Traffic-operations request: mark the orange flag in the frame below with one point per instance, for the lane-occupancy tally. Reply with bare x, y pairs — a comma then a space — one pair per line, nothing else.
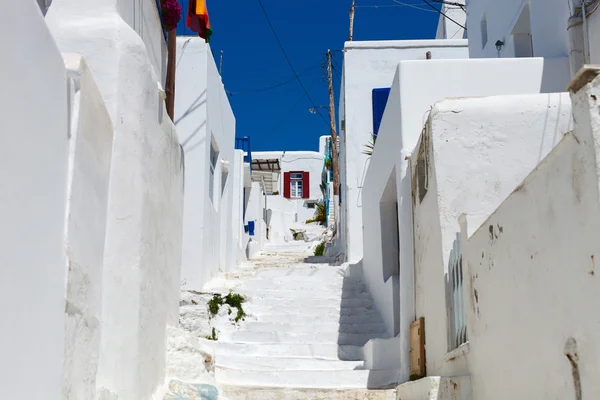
197, 19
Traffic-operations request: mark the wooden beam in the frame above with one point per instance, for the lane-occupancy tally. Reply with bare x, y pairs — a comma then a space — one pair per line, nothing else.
171, 67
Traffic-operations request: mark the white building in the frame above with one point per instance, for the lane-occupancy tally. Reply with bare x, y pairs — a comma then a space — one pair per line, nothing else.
535, 278
453, 20
370, 66
105, 168
213, 239
389, 191
553, 29
292, 182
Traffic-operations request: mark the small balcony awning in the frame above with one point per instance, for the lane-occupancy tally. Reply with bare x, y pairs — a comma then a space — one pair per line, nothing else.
266, 171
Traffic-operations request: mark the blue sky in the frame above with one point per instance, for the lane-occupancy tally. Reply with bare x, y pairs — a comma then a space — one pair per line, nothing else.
279, 119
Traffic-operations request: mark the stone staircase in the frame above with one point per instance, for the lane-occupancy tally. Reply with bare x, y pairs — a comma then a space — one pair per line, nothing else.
303, 337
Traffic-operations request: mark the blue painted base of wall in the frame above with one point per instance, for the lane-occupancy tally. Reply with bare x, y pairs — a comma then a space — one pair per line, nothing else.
190, 391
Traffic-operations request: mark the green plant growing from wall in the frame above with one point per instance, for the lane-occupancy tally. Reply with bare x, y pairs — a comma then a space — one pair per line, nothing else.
320, 249
370, 146
214, 304
233, 300
320, 215
213, 336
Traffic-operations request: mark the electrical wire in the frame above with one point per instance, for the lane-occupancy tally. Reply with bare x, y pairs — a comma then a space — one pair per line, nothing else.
290, 62
276, 85
442, 13
400, 4
450, 3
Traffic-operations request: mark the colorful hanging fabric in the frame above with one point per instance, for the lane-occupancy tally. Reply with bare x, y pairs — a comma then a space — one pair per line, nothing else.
197, 19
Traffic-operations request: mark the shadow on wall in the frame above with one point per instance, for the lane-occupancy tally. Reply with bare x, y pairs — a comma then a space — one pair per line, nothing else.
359, 323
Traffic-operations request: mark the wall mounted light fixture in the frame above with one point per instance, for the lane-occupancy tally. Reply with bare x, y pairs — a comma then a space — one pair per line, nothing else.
499, 44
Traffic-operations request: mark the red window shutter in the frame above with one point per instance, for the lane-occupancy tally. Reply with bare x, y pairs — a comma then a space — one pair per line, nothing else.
286, 185
305, 185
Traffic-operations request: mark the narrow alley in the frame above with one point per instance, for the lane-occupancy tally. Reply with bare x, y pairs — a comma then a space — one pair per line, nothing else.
301, 335
349, 199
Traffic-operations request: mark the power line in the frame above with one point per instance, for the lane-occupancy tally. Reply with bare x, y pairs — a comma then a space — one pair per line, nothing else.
450, 3
400, 4
289, 62
442, 13
276, 85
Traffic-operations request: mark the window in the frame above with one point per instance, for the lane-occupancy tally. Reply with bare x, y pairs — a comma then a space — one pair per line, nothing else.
296, 179
484, 32
296, 185
214, 155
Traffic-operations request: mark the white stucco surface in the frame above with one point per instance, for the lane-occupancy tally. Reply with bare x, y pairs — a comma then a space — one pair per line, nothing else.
539, 247
283, 212
465, 141
370, 65
204, 118
418, 85
452, 22
548, 22
90, 151
255, 211
34, 156
140, 286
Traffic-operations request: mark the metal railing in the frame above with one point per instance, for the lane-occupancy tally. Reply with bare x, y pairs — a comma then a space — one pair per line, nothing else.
457, 323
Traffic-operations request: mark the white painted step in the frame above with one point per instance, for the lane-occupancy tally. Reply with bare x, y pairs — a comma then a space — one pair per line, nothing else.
344, 316
325, 351
437, 388
253, 393
360, 379
295, 304
336, 294
355, 339
308, 272
376, 327
313, 284
274, 364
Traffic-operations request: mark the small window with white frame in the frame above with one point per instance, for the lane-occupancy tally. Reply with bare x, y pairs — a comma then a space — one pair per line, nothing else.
296, 185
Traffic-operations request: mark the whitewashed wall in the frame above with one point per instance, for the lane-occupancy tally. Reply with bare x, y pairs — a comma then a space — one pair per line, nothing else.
584, 35
370, 65
548, 19
220, 124
143, 241
533, 286
479, 150
417, 86
143, 16
256, 212
204, 118
190, 121
90, 151
34, 133
452, 22
284, 212
237, 251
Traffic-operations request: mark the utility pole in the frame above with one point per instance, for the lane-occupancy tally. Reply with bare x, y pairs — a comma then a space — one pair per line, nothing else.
351, 21
334, 149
